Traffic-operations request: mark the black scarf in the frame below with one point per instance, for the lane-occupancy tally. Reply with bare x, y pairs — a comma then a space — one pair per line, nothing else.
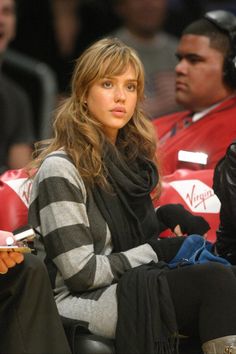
128, 209
146, 317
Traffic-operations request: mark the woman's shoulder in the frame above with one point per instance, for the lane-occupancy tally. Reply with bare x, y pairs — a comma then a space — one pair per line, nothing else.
59, 165
56, 163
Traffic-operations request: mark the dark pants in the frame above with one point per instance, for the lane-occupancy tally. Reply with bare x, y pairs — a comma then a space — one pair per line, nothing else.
29, 320
204, 298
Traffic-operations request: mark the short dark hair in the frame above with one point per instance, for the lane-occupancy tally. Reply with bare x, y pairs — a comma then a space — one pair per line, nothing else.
219, 40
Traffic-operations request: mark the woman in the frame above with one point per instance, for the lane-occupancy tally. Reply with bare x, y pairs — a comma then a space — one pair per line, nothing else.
91, 206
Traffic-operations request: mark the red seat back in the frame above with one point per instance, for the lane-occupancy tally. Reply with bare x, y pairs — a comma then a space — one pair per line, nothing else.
190, 188
193, 189
14, 199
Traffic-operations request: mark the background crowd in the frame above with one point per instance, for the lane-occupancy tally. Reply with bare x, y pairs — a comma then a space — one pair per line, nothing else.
53, 33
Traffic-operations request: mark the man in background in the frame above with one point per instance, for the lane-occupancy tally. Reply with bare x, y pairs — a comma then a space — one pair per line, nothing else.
142, 29
206, 87
16, 133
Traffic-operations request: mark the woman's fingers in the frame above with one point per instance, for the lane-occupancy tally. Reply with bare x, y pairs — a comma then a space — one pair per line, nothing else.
178, 231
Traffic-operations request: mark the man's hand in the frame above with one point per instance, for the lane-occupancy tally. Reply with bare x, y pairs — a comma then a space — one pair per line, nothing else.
9, 260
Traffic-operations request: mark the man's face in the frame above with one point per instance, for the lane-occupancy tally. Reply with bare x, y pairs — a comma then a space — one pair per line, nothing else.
143, 17
199, 73
7, 23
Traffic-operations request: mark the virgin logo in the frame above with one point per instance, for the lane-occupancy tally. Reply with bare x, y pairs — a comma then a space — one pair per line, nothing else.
197, 195
197, 199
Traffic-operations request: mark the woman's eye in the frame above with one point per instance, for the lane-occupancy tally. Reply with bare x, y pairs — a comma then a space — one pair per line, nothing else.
131, 87
107, 84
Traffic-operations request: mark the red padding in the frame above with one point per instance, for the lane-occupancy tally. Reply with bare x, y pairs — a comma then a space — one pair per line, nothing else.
193, 189
14, 199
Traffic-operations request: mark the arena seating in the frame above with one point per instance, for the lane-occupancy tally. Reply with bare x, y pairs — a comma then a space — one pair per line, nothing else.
190, 188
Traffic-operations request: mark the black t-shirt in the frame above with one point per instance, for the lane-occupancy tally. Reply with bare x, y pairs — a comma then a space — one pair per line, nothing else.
15, 118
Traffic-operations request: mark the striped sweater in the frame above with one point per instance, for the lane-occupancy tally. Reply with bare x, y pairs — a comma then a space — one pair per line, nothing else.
76, 244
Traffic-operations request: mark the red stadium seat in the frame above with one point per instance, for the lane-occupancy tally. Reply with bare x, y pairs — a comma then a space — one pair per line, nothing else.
190, 188
14, 197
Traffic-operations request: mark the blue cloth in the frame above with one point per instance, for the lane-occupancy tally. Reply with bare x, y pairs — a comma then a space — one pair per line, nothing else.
195, 250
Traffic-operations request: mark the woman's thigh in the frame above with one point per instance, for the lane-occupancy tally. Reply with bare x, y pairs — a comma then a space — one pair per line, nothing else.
98, 309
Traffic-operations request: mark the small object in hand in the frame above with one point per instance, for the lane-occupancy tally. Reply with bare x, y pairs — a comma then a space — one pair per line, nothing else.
18, 241
25, 233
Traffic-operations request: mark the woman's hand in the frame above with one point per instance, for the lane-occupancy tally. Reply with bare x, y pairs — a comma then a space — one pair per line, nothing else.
166, 248
9, 260
181, 221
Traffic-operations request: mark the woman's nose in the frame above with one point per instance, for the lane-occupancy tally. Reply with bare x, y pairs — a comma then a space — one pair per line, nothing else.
120, 94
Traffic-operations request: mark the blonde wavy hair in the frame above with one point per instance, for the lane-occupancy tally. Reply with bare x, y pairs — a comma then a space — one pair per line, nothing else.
79, 134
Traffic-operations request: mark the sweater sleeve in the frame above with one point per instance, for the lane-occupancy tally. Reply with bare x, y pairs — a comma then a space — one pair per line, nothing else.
58, 210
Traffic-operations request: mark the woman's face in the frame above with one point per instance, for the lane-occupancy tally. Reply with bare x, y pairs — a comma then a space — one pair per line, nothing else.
112, 101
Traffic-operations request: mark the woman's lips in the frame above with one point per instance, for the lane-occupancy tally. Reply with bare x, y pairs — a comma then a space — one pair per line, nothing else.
118, 111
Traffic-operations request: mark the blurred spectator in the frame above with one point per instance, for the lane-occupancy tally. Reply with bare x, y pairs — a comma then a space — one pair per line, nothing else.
142, 28
93, 26
206, 87
182, 12
49, 30
16, 134
228, 5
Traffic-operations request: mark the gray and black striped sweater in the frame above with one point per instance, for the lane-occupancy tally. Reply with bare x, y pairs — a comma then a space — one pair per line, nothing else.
76, 242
